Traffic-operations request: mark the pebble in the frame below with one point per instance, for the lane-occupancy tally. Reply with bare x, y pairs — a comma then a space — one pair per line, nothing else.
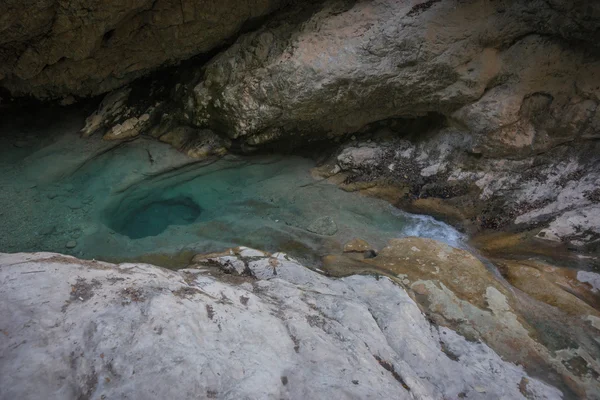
71, 244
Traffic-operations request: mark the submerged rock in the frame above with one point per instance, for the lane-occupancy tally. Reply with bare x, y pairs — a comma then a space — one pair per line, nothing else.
282, 331
324, 226
357, 246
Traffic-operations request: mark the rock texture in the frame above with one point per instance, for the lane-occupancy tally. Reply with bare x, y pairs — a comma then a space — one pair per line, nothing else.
504, 70
53, 48
268, 329
551, 326
552, 196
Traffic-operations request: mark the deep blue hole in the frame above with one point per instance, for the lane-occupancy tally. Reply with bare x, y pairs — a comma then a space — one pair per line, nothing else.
151, 219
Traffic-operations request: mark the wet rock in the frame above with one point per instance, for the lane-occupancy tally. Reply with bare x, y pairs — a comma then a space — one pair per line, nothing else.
130, 128
563, 288
196, 143
357, 246
111, 107
313, 330
428, 259
549, 195
457, 290
71, 244
324, 226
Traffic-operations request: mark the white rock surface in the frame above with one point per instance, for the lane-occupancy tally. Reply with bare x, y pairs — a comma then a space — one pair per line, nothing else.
86, 329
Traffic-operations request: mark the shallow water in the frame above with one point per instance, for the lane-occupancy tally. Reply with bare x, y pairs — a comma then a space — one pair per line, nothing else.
144, 200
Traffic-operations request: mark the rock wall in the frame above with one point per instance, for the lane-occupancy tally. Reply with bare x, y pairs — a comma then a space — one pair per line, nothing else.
54, 49
522, 76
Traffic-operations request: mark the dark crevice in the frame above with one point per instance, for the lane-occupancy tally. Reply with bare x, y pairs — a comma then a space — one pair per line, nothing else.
390, 368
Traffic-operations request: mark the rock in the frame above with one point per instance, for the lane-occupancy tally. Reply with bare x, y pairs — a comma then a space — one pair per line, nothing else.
111, 107
196, 333
196, 143
357, 246
324, 226
458, 291
71, 244
427, 259
55, 49
130, 128
551, 193
74, 204
563, 288
320, 71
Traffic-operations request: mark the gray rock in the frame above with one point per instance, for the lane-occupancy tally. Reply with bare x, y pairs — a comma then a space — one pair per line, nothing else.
325, 226
554, 192
71, 244
502, 70
81, 328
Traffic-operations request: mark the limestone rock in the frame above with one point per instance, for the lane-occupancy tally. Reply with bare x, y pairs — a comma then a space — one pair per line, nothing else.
458, 291
110, 109
53, 48
130, 128
552, 193
196, 143
135, 330
324, 226
357, 246
331, 69
563, 288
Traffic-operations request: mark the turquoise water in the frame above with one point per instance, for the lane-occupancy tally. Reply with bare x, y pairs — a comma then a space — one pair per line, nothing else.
117, 202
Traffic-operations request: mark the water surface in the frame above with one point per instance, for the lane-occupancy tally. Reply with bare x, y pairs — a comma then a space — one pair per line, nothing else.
144, 200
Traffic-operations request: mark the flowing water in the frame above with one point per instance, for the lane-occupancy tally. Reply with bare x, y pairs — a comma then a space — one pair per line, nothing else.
142, 200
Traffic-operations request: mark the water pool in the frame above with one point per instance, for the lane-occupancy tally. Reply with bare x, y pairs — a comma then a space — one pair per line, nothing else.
142, 200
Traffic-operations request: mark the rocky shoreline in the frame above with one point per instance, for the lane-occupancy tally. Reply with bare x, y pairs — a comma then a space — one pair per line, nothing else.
245, 323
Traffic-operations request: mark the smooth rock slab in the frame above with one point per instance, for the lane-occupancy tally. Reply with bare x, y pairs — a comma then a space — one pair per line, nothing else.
74, 329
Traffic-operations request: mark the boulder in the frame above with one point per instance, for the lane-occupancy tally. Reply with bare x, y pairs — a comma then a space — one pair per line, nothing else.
357, 246
79, 328
319, 71
324, 226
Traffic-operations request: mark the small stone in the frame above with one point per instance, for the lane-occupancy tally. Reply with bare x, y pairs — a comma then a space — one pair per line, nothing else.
324, 226
71, 244
356, 246
480, 389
